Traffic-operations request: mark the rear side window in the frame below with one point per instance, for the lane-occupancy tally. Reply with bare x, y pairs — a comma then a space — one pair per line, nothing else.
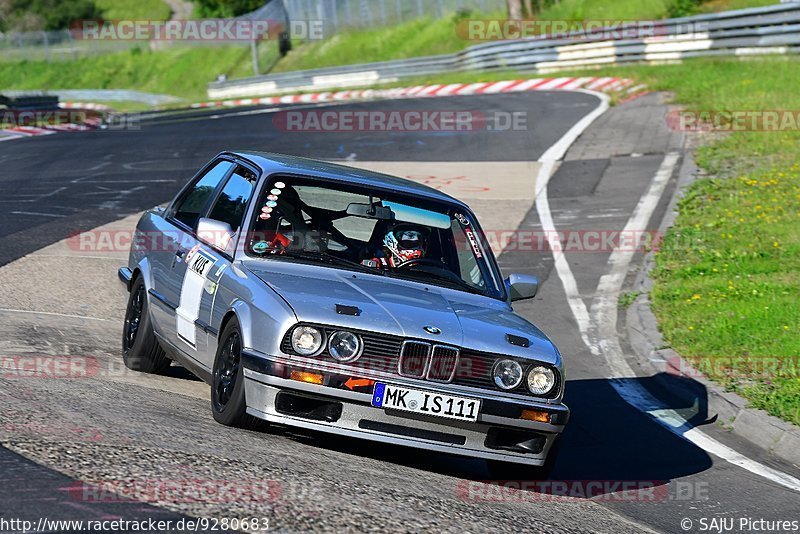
232, 201
191, 205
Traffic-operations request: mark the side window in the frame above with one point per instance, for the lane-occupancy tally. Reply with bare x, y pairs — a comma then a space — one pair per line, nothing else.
189, 208
232, 202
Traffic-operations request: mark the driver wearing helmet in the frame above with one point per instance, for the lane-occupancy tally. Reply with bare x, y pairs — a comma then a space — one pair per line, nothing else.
402, 243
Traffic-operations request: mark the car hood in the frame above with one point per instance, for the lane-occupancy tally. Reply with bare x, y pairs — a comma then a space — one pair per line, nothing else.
403, 308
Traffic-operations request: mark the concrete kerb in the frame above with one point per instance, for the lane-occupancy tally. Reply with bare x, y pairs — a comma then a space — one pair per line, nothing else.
779, 438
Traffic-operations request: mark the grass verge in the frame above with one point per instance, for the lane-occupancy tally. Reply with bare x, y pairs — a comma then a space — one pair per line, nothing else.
727, 291
181, 71
134, 9
425, 37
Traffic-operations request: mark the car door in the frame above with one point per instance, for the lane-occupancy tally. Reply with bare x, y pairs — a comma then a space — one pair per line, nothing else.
204, 265
177, 238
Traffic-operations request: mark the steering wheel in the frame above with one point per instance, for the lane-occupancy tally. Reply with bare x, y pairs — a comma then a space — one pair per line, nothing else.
413, 262
429, 266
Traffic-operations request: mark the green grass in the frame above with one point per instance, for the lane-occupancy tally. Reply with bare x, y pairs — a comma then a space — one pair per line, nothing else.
134, 9
608, 10
728, 274
180, 71
421, 37
424, 37
627, 298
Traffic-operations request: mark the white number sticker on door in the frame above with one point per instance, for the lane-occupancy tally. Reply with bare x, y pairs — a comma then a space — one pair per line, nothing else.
200, 264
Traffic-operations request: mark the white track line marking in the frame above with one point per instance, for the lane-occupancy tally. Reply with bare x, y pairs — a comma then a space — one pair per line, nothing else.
600, 334
548, 161
35, 214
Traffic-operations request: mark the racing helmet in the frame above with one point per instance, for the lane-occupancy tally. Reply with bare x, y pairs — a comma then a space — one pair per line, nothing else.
406, 242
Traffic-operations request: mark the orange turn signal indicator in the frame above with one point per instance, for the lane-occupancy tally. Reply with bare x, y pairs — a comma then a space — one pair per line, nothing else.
535, 415
303, 376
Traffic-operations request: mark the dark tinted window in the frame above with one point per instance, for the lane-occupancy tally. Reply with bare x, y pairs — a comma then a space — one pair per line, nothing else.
232, 202
189, 208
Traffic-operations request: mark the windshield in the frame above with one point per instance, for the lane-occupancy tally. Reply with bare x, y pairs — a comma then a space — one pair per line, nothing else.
297, 219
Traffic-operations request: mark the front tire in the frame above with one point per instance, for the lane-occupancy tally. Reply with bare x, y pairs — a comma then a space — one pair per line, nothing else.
140, 349
227, 381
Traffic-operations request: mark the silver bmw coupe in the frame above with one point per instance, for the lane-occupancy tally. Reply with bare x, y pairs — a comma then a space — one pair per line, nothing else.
339, 300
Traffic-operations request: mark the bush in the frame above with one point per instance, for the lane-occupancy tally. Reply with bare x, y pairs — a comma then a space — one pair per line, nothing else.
33, 15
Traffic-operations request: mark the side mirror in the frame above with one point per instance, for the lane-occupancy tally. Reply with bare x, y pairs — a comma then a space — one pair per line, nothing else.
522, 286
216, 234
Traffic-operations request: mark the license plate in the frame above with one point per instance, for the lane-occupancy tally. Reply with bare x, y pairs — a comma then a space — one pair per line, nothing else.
392, 397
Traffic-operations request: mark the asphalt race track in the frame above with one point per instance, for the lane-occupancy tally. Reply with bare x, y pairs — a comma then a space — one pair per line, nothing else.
129, 429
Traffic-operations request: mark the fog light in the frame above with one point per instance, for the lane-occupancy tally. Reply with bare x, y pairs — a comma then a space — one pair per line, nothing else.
535, 415
303, 376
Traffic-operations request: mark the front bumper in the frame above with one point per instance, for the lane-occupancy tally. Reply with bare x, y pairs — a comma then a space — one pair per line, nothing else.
499, 433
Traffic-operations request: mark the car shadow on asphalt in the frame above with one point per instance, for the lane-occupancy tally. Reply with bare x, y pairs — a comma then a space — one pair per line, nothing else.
606, 439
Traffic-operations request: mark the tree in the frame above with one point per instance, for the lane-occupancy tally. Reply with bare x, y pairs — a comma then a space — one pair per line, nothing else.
514, 9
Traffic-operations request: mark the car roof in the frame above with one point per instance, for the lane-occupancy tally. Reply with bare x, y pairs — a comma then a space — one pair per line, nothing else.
278, 163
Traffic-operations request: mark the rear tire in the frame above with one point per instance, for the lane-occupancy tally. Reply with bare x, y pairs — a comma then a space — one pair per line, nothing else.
227, 381
140, 349
499, 470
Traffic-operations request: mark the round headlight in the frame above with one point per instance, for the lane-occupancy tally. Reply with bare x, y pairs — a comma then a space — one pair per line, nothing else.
307, 340
507, 374
541, 380
344, 346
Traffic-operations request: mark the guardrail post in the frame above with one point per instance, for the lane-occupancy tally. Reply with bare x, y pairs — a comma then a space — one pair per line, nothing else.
254, 53
419, 8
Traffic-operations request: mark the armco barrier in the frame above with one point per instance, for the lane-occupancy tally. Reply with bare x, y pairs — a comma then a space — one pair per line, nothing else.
768, 30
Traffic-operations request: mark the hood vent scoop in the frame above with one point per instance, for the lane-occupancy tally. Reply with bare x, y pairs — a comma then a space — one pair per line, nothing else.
518, 340
341, 309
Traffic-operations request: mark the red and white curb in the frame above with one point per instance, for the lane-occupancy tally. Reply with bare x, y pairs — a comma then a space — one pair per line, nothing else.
91, 123
84, 105
621, 86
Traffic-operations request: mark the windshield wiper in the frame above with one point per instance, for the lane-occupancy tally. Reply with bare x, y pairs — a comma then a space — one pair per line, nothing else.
330, 259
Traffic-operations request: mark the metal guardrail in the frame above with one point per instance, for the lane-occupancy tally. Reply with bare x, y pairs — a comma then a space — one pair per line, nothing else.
768, 30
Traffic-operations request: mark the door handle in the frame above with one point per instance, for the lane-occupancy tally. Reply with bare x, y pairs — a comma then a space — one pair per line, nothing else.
178, 257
